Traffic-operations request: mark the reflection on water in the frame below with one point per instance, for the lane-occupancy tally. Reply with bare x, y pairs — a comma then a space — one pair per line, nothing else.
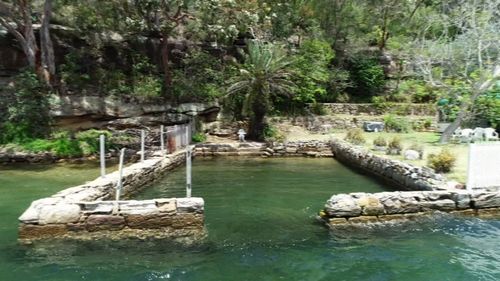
260, 218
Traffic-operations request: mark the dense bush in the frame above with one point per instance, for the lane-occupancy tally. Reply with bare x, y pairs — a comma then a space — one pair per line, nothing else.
355, 136
442, 162
380, 141
24, 110
367, 76
396, 124
272, 134
199, 137
394, 146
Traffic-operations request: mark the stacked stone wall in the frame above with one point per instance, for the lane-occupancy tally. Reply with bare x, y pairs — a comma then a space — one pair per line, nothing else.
402, 175
354, 208
288, 149
82, 212
373, 109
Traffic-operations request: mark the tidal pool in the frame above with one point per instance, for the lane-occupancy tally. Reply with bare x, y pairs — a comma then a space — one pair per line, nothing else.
260, 221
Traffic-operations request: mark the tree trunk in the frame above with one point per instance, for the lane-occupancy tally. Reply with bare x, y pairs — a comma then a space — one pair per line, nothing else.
48, 61
257, 126
167, 75
483, 87
448, 132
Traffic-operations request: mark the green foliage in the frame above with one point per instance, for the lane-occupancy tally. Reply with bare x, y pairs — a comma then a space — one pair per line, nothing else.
201, 77
311, 70
355, 136
199, 137
442, 162
318, 109
91, 138
272, 134
265, 75
64, 144
418, 91
396, 124
380, 141
24, 110
367, 75
488, 107
60, 144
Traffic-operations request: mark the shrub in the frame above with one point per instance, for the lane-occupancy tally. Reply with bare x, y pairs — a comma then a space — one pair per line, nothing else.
24, 110
65, 146
272, 134
442, 162
355, 136
380, 141
396, 124
199, 137
318, 109
89, 140
394, 146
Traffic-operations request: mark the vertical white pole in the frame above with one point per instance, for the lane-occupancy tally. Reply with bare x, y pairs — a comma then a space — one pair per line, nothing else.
162, 140
102, 156
469, 162
120, 181
187, 135
143, 137
188, 171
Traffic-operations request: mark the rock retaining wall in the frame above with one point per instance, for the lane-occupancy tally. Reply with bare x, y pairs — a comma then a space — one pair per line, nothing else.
354, 208
324, 124
372, 109
289, 149
402, 175
81, 212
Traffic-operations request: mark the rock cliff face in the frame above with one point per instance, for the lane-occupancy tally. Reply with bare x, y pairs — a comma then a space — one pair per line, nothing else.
83, 112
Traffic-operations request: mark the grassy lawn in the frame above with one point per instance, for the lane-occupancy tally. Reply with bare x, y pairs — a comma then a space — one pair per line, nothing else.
430, 143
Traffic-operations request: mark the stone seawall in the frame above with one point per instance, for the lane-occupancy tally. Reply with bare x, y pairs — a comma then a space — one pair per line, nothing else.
402, 175
81, 211
355, 208
289, 149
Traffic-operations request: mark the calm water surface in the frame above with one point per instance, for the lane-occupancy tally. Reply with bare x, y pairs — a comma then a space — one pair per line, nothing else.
260, 219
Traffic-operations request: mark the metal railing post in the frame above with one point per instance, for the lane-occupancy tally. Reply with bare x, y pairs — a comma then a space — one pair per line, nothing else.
143, 139
188, 171
102, 156
162, 140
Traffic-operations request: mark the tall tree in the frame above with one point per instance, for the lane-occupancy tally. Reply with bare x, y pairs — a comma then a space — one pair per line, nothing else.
164, 17
465, 50
17, 18
266, 73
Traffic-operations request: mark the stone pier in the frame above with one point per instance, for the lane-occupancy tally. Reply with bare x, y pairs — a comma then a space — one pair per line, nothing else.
82, 212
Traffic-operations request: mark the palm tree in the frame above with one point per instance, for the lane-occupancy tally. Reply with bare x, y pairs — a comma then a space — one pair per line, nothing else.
265, 74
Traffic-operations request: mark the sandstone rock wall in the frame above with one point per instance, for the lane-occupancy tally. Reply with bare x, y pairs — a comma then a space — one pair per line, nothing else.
81, 212
356, 208
93, 111
402, 175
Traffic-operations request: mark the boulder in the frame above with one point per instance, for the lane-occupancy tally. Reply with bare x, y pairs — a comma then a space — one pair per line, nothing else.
411, 155
342, 205
192, 204
60, 213
485, 200
370, 205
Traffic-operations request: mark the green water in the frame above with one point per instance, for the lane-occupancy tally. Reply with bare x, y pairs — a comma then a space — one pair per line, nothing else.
260, 219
